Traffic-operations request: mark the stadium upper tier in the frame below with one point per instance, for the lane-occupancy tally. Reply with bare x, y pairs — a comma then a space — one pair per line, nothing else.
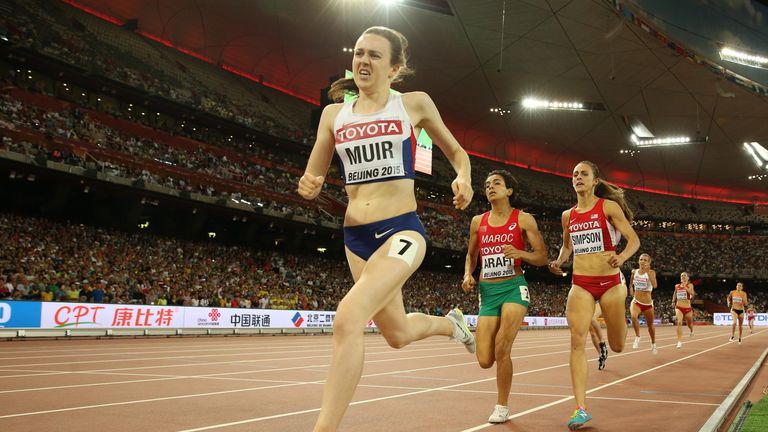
98, 48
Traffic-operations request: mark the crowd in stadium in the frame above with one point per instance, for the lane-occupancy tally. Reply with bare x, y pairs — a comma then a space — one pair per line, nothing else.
52, 261
445, 228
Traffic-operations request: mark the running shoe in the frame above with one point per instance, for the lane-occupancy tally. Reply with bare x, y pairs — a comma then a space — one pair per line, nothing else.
603, 356
461, 332
500, 414
731, 339
654, 349
679, 344
578, 419
691, 334
739, 341
603, 350
636, 343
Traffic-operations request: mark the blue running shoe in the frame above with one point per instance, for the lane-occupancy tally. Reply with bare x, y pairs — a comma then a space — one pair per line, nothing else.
578, 419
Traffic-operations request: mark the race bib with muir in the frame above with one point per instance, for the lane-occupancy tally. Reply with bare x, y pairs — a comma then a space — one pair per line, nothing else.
371, 151
589, 241
496, 266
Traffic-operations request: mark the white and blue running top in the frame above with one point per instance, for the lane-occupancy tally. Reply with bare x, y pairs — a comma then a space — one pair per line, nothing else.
375, 147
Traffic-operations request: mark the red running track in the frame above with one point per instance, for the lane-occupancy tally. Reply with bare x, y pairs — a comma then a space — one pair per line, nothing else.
274, 383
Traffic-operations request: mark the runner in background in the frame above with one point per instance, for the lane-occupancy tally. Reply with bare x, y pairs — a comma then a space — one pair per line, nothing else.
681, 300
736, 301
751, 318
642, 282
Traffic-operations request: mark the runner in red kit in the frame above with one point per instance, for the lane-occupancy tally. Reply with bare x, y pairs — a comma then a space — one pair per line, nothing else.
751, 318
498, 236
591, 230
681, 299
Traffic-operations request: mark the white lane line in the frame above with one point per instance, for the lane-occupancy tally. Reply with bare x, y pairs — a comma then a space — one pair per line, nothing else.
517, 384
136, 382
196, 344
683, 393
423, 378
248, 350
269, 368
448, 347
493, 392
256, 349
654, 401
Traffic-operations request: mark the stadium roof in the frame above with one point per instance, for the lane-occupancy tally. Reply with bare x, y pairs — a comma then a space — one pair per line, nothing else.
652, 61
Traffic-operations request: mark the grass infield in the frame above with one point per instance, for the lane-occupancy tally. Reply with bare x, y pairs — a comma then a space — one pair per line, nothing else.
757, 421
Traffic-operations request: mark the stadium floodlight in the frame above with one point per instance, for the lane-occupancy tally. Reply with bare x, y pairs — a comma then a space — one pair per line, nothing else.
744, 58
758, 153
535, 103
501, 111
665, 141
